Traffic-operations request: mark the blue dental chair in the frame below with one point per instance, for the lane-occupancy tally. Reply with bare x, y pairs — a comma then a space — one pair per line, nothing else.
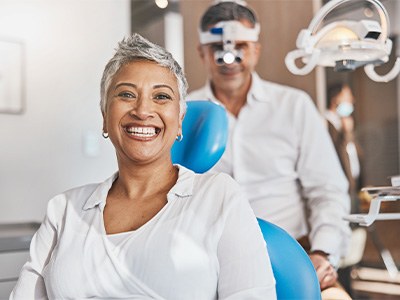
205, 130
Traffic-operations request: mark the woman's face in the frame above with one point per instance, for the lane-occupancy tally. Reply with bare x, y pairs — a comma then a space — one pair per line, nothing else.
142, 112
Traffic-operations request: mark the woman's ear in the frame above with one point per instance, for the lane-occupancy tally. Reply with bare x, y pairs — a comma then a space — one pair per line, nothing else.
104, 123
181, 117
180, 131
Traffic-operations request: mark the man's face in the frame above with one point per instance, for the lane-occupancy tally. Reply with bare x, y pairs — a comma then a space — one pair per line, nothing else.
235, 75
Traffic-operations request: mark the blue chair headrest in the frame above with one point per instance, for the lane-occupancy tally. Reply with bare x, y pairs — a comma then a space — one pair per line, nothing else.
205, 134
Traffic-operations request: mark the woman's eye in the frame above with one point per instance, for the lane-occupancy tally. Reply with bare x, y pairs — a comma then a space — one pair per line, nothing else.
126, 95
163, 97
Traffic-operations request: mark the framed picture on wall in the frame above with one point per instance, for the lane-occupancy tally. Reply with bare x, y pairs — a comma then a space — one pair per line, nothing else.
11, 76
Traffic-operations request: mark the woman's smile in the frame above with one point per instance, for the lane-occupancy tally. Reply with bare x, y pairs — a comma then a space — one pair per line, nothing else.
142, 132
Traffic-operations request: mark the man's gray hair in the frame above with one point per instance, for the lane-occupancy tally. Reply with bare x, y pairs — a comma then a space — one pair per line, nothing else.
226, 11
137, 48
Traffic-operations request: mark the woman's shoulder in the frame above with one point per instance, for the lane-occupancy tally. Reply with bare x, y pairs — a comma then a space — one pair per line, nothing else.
75, 193
77, 196
83, 190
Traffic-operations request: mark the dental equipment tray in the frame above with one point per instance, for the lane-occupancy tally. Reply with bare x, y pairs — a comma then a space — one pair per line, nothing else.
379, 195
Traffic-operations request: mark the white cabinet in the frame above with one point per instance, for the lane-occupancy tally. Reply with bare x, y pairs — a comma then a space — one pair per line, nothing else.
5, 289
14, 252
11, 263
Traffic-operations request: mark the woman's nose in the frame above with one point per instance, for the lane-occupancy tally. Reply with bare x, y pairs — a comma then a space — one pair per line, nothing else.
143, 109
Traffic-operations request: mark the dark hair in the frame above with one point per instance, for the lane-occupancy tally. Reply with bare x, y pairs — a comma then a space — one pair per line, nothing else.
226, 11
334, 90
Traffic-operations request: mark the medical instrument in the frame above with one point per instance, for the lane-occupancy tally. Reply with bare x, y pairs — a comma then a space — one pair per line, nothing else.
228, 33
344, 45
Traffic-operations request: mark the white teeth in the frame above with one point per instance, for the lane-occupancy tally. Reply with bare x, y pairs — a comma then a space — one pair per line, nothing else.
141, 131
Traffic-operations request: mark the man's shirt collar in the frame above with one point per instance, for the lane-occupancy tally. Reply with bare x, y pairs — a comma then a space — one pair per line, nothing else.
256, 92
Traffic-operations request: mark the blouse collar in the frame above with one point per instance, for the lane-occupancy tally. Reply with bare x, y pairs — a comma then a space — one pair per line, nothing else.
182, 188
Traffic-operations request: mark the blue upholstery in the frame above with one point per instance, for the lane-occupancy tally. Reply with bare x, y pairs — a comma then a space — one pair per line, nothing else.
294, 273
205, 130
205, 133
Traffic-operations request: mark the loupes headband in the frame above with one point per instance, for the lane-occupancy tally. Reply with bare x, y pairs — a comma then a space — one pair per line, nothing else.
229, 31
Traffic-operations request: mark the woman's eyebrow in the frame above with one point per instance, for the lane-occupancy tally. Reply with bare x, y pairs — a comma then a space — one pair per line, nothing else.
125, 83
157, 86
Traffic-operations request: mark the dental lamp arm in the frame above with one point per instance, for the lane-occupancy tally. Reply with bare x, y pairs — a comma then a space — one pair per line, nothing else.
370, 71
299, 53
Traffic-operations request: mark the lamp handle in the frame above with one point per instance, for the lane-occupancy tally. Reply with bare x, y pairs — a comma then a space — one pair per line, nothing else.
299, 53
370, 71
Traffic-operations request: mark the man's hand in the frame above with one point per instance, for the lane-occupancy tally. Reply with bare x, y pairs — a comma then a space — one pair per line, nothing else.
326, 273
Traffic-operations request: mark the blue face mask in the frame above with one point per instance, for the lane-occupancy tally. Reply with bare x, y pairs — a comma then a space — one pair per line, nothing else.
345, 109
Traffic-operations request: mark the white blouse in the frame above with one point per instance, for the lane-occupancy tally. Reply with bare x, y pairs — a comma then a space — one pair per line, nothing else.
205, 243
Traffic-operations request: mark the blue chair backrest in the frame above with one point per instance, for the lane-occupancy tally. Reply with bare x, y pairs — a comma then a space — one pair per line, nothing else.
205, 134
205, 131
294, 273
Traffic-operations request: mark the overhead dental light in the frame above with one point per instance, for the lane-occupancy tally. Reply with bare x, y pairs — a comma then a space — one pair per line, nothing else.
344, 45
161, 3
227, 33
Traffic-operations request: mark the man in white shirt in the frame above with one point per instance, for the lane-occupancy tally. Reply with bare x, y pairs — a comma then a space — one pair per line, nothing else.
279, 149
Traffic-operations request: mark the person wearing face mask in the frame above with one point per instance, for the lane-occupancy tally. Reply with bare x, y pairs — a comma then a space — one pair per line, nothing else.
340, 121
278, 148
340, 107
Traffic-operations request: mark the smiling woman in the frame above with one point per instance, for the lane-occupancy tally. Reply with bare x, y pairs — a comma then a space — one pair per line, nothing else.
142, 115
153, 230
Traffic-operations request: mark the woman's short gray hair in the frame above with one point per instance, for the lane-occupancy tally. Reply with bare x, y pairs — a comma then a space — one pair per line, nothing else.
135, 48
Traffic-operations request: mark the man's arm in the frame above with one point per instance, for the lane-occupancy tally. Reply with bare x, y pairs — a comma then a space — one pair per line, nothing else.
325, 189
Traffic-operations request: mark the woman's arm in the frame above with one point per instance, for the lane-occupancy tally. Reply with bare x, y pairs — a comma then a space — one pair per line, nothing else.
30, 283
245, 268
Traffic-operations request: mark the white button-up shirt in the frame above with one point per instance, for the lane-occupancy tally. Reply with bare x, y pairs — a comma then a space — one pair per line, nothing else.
205, 243
280, 152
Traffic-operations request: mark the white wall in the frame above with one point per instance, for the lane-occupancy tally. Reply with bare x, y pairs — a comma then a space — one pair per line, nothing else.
68, 43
